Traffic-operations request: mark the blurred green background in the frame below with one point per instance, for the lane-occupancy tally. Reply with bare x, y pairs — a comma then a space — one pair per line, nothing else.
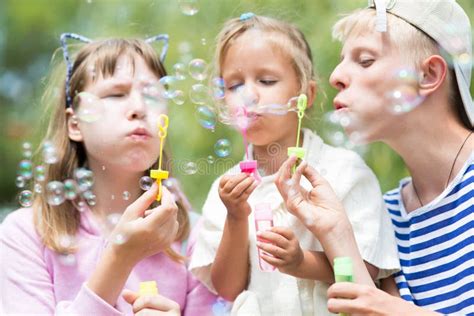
29, 36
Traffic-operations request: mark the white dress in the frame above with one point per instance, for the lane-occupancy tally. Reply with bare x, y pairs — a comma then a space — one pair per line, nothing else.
275, 293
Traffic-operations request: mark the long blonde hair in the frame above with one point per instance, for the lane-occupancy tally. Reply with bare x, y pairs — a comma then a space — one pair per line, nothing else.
55, 222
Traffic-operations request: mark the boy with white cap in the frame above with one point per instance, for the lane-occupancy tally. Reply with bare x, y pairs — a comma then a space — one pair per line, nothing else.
430, 127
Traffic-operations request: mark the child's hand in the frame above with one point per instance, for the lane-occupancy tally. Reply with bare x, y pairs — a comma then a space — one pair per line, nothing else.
146, 236
319, 209
151, 304
234, 191
284, 249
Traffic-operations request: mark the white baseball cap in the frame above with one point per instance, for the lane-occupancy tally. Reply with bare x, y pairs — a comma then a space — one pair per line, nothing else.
445, 22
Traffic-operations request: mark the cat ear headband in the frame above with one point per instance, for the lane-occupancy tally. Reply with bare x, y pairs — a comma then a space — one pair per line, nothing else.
69, 64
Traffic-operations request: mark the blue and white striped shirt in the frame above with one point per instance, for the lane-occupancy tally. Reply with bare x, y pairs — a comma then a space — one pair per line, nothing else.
436, 246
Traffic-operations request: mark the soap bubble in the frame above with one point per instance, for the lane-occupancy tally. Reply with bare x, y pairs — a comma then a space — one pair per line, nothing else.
20, 182
26, 146
179, 97
25, 169
90, 197
38, 188
189, 7
210, 159
190, 168
206, 117
40, 173
332, 130
55, 193
179, 71
218, 88
199, 94
197, 69
221, 307
113, 219
71, 189
89, 107
126, 195
167, 86
25, 198
67, 259
50, 155
84, 179
404, 95
222, 148
145, 183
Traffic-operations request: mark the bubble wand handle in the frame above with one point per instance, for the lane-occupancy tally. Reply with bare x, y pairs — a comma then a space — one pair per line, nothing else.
159, 174
298, 151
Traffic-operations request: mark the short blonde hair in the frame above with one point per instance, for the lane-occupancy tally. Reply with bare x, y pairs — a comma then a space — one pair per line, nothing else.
288, 39
413, 44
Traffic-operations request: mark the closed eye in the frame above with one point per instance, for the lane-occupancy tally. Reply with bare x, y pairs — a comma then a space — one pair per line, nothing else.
268, 82
366, 62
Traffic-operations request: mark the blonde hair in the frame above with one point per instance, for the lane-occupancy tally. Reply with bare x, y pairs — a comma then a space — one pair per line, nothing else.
413, 44
54, 222
289, 39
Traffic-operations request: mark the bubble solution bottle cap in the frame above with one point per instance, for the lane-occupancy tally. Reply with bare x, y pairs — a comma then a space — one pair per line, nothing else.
148, 288
250, 167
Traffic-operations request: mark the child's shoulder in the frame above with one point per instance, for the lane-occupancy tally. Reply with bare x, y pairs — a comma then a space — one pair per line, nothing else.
19, 226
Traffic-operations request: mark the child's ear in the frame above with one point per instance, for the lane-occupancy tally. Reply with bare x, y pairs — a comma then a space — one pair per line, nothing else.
73, 130
433, 74
311, 92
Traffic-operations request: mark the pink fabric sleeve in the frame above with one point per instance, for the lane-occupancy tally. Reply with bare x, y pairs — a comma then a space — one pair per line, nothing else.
26, 284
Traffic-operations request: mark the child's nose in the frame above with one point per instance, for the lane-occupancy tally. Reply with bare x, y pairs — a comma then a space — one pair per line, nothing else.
250, 95
337, 79
137, 107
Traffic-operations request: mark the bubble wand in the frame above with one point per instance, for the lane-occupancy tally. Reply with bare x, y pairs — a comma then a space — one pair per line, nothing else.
247, 166
158, 174
299, 151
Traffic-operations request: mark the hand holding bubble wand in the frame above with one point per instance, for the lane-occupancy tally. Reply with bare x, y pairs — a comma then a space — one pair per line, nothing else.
159, 174
299, 151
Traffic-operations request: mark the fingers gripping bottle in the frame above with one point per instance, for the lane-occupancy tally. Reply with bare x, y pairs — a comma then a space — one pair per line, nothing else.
263, 221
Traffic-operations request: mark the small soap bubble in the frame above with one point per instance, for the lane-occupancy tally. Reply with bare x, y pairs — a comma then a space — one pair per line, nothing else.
197, 69
126, 195
81, 206
50, 155
40, 173
71, 189
332, 130
199, 94
206, 117
166, 88
190, 168
25, 198
67, 259
404, 95
179, 97
90, 197
189, 7
84, 179
66, 241
89, 107
221, 307
119, 238
179, 71
145, 183
113, 219
169, 183
203, 41
55, 193
25, 169
211, 159
20, 182
222, 148
218, 88
27, 154
26, 146
38, 188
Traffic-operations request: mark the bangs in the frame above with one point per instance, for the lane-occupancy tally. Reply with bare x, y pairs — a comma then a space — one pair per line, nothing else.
354, 24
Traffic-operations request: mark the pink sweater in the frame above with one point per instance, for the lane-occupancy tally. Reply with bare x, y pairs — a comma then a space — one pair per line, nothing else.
35, 280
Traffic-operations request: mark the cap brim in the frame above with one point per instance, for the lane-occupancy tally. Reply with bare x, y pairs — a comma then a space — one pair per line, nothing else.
465, 93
